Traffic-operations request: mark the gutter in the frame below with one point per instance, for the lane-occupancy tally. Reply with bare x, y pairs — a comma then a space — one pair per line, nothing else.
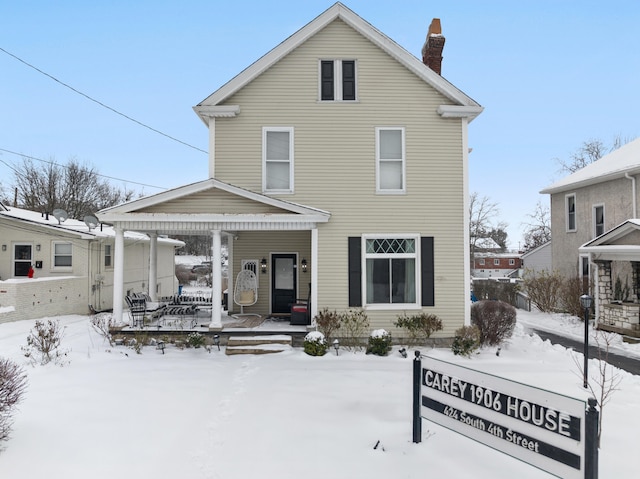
633, 192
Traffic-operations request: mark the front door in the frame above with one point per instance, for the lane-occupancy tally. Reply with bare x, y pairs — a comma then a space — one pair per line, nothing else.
283, 280
21, 259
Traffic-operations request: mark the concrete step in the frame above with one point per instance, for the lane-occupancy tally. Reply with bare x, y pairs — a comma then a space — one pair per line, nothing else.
267, 344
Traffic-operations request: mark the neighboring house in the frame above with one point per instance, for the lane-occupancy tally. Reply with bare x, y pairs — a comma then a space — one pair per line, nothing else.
71, 263
496, 265
337, 162
538, 259
595, 234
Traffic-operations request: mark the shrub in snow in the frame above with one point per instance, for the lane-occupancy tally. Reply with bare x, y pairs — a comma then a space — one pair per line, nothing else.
379, 342
328, 322
354, 325
466, 341
315, 344
13, 382
43, 343
418, 327
494, 319
195, 340
101, 323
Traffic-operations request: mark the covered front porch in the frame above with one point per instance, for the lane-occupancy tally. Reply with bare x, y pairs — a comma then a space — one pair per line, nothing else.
616, 258
276, 240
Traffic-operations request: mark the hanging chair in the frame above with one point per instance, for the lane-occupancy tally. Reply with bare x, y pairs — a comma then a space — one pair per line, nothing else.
245, 291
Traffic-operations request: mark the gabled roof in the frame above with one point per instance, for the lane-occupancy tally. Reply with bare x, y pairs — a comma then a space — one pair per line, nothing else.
463, 105
625, 159
602, 247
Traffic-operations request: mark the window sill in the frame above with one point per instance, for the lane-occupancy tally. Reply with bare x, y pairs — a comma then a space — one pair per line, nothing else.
392, 306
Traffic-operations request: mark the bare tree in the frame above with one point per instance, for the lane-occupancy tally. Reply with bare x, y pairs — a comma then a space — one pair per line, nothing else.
74, 187
538, 228
590, 151
13, 383
482, 212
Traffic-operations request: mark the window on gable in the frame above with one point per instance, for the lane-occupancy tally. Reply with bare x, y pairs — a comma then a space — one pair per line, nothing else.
570, 202
512, 262
390, 160
107, 255
62, 255
598, 220
277, 153
338, 80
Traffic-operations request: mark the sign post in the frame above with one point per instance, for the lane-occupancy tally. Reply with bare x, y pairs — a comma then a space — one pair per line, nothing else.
550, 431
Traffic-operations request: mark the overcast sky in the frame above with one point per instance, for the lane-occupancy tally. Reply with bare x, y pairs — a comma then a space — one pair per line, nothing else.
550, 74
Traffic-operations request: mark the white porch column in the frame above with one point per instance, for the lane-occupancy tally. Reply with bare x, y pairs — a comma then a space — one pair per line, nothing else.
216, 280
153, 266
314, 273
118, 275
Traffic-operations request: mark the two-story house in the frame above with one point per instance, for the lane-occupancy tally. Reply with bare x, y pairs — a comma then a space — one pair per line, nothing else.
596, 233
496, 265
338, 170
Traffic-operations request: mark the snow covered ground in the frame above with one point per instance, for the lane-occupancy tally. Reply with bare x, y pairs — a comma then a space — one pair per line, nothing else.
112, 413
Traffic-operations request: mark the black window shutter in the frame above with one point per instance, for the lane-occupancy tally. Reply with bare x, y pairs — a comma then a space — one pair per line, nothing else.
426, 254
326, 80
349, 80
355, 271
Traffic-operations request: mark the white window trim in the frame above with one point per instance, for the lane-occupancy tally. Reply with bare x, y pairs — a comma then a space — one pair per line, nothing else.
402, 190
593, 218
104, 256
53, 256
418, 269
512, 262
496, 261
266, 129
337, 79
566, 213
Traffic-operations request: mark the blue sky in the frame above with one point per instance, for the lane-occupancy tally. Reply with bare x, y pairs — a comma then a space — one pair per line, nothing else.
550, 75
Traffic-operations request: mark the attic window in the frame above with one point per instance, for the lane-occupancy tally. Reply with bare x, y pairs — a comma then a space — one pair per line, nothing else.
337, 80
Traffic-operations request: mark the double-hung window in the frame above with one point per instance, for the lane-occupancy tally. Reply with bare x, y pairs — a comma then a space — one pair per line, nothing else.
390, 160
337, 80
391, 272
277, 159
62, 255
570, 211
107, 256
598, 220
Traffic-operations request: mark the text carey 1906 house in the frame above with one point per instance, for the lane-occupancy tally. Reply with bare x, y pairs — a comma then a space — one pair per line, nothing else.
337, 162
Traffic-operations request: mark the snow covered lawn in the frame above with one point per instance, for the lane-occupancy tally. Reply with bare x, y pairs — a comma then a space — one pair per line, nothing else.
191, 414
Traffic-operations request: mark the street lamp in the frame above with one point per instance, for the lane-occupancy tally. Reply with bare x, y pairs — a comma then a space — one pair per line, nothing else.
586, 301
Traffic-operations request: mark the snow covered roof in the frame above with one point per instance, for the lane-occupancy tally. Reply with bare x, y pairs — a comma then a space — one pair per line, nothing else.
625, 159
80, 228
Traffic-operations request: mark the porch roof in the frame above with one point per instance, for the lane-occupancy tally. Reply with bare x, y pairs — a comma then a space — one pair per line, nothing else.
199, 208
610, 246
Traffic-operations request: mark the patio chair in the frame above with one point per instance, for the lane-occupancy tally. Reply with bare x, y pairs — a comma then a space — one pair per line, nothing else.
301, 310
136, 310
245, 292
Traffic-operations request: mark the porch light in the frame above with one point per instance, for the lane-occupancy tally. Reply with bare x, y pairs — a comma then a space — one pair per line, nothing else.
263, 265
586, 301
216, 340
336, 345
304, 265
37, 247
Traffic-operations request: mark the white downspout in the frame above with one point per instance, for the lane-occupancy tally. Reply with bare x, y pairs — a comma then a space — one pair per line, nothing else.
633, 192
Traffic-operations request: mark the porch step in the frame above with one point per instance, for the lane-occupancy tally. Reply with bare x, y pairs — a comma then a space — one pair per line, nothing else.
275, 343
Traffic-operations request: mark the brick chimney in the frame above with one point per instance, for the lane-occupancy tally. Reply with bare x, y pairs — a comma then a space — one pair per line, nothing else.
433, 45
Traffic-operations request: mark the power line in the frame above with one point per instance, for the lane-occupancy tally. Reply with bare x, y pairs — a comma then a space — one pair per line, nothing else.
64, 166
100, 103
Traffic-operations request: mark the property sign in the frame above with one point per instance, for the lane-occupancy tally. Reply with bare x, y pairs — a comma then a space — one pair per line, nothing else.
542, 428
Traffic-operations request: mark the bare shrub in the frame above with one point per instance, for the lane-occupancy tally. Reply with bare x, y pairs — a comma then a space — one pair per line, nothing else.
492, 289
544, 289
43, 343
495, 320
354, 327
419, 327
328, 322
570, 292
13, 383
101, 323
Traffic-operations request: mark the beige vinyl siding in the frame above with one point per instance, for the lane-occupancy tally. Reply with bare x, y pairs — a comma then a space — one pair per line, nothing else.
334, 160
213, 201
260, 244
